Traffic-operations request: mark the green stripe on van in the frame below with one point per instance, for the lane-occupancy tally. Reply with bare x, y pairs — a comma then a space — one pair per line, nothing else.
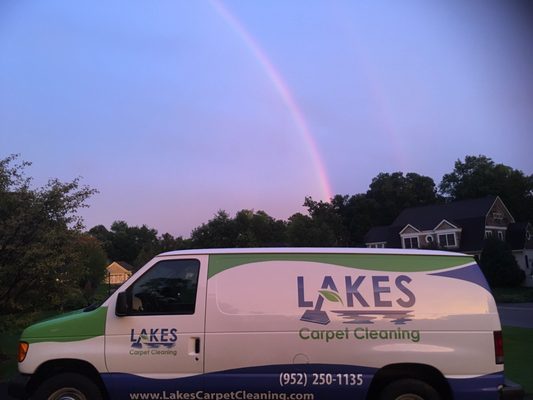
375, 262
69, 327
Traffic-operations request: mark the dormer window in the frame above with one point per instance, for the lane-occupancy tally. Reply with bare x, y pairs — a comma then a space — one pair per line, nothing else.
501, 235
488, 234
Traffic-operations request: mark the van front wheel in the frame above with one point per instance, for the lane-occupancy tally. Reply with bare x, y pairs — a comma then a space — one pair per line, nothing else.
409, 389
68, 386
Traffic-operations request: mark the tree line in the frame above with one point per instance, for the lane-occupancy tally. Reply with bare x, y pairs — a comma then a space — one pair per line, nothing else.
342, 221
47, 256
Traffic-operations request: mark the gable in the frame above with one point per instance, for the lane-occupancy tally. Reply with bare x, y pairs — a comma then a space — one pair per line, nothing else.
498, 214
409, 229
116, 268
445, 225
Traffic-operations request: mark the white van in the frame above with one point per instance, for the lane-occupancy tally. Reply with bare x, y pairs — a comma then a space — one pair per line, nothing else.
277, 324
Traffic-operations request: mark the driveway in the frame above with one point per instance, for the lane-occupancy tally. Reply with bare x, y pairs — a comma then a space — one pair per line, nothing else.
519, 315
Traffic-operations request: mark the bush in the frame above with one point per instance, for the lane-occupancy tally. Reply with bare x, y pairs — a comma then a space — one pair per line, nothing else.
499, 265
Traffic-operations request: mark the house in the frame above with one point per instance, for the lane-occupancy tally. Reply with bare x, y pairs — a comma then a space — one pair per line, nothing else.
118, 272
459, 226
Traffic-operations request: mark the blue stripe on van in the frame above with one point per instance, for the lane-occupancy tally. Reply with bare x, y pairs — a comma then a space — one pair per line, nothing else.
481, 388
470, 273
266, 380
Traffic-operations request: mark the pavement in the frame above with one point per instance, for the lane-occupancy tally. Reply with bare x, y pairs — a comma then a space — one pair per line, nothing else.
518, 315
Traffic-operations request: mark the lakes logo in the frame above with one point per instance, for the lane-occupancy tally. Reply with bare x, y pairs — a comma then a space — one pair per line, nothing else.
154, 338
385, 296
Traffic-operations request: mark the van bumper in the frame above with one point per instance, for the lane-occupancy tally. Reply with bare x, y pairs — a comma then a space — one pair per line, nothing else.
17, 386
511, 391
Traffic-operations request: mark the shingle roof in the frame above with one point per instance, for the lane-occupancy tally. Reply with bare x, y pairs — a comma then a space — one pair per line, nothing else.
467, 214
377, 234
125, 265
428, 217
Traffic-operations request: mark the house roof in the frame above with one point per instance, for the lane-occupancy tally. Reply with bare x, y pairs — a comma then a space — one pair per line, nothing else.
428, 217
124, 265
469, 215
388, 234
377, 234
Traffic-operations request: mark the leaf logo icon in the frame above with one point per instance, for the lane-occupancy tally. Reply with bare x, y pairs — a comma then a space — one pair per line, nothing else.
331, 296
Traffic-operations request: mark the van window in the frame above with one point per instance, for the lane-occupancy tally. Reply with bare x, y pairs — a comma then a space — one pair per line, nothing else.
169, 287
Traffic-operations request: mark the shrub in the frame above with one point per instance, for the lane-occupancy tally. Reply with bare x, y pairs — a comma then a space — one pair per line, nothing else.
499, 265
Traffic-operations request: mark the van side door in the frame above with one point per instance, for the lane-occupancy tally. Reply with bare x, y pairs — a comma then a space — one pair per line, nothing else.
158, 344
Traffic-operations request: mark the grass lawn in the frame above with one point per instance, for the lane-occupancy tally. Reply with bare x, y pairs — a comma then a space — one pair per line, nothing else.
518, 348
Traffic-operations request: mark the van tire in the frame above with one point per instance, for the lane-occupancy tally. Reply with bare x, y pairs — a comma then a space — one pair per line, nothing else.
409, 389
68, 385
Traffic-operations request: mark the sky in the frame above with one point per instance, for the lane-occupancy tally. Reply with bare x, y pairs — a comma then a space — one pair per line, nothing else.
174, 110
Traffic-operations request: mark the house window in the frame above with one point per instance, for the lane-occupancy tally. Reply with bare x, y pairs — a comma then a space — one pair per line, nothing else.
488, 234
447, 240
501, 235
410, 243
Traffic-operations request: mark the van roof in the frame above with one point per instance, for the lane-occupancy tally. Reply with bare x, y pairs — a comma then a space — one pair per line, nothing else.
312, 250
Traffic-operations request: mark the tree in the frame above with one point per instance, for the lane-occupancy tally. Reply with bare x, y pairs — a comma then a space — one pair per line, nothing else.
481, 176
395, 192
247, 229
326, 224
91, 264
39, 231
132, 244
358, 214
217, 232
258, 229
499, 265
302, 230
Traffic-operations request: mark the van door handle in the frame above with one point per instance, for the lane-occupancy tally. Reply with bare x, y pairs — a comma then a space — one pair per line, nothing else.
197, 345
193, 346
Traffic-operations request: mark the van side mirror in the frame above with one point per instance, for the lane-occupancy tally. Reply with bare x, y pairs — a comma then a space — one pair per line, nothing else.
121, 308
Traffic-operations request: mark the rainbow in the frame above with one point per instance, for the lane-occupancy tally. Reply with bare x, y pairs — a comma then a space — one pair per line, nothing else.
285, 93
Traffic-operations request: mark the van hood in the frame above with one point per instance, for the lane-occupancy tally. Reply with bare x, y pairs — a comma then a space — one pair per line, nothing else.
74, 326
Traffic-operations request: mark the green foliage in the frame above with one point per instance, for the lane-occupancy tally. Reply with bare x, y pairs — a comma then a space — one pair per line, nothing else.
133, 244
305, 231
499, 265
395, 192
331, 296
91, 265
518, 356
480, 176
247, 229
39, 233
345, 220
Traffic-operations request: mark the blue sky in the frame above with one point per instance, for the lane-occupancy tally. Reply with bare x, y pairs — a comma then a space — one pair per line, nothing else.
176, 109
